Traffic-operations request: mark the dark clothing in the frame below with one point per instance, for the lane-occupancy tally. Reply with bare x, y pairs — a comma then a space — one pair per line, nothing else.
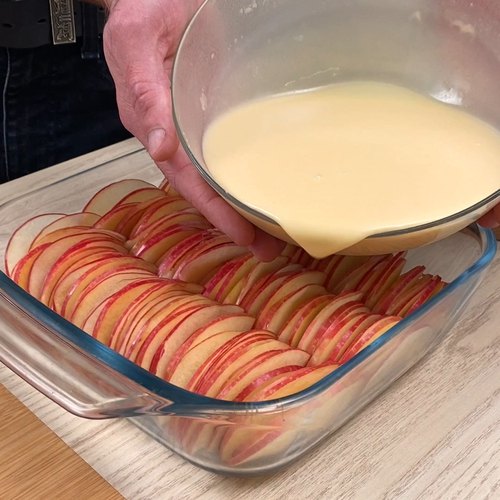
54, 106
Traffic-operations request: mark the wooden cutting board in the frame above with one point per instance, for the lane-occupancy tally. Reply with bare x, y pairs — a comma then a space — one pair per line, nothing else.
36, 464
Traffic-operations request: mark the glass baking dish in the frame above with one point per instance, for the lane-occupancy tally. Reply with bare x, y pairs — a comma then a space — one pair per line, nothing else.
90, 380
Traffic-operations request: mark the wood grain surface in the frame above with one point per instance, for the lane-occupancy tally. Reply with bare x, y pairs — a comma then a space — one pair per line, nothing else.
434, 434
35, 463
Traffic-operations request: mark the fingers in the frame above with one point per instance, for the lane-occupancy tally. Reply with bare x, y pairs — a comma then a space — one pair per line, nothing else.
492, 218
187, 181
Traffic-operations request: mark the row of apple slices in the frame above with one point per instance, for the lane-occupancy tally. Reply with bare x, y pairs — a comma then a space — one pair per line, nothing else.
79, 266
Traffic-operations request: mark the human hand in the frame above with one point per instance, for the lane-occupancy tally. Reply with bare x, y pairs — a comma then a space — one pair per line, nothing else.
140, 41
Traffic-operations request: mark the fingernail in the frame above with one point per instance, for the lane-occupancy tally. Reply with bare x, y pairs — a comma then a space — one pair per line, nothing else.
155, 139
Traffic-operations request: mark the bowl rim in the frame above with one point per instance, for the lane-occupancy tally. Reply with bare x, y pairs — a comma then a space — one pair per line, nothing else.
187, 403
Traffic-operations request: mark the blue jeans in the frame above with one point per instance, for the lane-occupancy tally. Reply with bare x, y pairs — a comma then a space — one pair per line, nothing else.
54, 106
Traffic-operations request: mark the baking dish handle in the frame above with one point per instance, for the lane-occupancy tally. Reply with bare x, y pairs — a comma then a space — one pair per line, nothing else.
66, 373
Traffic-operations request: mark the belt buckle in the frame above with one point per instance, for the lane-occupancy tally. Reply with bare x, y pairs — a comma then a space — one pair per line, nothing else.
62, 20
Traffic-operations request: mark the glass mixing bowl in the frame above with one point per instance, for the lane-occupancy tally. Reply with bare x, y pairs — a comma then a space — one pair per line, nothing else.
234, 51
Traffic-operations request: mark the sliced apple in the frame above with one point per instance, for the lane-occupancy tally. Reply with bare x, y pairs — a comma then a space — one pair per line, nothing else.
163, 316
341, 268
76, 255
286, 384
189, 217
193, 358
291, 332
371, 334
168, 262
93, 297
238, 350
164, 207
326, 317
184, 361
201, 266
20, 242
339, 335
76, 220
405, 281
288, 288
59, 250
101, 322
277, 315
261, 270
240, 355
101, 272
158, 296
173, 337
74, 272
105, 199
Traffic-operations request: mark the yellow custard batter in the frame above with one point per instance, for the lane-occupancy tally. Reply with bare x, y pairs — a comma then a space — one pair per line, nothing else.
335, 165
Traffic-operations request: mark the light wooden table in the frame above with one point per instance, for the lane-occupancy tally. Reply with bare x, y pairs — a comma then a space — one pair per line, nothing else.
435, 434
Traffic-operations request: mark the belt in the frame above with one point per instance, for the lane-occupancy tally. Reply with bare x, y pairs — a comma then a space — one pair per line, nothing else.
26, 24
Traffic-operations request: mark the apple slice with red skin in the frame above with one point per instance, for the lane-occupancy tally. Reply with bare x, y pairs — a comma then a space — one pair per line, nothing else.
154, 247
99, 271
326, 264
192, 358
147, 315
105, 199
173, 338
385, 282
79, 271
326, 316
93, 296
434, 286
200, 267
137, 210
286, 384
379, 271
111, 220
354, 278
168, 262
101, 322
81, 231
343, 314
339, 335
264, 379
94, 276
371, 334
223, 274
59, 250
184, 361
22, 271
74, 256
76, 220
236, 350
240, 343
263, 289
287, 288
20, 242
164, 207
235, 357
408, 294
142, 195
405, 281
162, 316
342, 267
260, 271
74, 272
188, 217
291, 332
274, 317
161, 294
